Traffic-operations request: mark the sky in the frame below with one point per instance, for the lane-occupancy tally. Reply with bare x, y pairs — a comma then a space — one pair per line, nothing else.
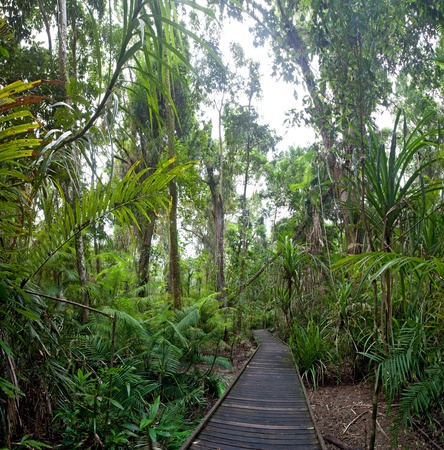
278, 96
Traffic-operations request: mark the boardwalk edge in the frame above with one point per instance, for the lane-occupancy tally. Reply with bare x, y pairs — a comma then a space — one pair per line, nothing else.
211, 412
310, 410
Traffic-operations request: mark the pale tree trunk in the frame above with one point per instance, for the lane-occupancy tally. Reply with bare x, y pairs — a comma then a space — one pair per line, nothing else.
219, 223
244, 231
219, 217
62, 29
72, 191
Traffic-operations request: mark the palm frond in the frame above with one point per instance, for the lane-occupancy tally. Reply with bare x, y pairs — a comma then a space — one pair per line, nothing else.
218, 361
117, 198
417, 398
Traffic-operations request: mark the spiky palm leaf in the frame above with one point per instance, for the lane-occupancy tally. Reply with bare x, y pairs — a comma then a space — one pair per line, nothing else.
394, 177
372, 265
18, 141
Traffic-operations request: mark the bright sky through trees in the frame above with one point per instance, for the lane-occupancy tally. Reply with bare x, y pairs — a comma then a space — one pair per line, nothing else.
277, 96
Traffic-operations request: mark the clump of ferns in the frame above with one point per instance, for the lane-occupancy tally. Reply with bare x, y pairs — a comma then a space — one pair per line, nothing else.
411, 372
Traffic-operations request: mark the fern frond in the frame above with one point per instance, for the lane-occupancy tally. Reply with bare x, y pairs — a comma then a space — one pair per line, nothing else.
188, 317
417, 398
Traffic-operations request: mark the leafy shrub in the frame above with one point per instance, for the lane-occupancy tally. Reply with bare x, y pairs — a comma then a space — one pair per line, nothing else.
311, 350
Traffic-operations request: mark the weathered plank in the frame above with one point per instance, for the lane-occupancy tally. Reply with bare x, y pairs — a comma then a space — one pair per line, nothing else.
266, 408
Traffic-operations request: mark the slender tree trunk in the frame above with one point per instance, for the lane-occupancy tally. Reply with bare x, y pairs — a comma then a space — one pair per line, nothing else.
62, 28
96, 242
145, 246
174, 257
150, 158
83, 274
72, 191
244, 229
219, 218
47, 25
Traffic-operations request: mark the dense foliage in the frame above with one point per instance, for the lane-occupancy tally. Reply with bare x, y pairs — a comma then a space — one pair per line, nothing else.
139, 242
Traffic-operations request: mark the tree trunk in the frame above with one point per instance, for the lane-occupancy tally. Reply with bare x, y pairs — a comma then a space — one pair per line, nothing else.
62, 29
72, 191
244, 228
145, 244
219, 223
175, 288
219, 218
47, 25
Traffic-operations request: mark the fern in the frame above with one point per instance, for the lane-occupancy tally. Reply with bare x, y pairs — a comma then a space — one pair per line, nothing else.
418, 398
401, 363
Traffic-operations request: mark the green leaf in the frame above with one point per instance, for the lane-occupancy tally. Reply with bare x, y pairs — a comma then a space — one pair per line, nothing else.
5, 348
16, 88
153, 434
144, 423
116, 404
18, 129
28, 313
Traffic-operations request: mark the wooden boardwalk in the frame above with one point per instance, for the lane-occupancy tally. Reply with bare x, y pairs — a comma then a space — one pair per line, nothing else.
265, 408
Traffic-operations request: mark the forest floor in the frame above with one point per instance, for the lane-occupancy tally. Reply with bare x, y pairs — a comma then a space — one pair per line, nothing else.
342, 412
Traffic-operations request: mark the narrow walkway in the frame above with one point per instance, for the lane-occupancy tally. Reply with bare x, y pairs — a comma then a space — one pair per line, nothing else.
265, 409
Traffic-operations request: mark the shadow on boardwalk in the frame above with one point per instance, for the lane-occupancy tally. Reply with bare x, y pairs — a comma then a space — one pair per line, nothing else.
265, 408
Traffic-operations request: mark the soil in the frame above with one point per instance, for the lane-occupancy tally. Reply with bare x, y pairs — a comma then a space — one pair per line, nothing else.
342, 412
238, 357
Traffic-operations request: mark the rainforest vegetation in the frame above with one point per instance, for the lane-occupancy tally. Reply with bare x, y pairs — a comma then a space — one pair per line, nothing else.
140, 242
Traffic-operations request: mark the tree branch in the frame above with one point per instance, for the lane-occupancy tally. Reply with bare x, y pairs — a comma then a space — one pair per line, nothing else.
69, 302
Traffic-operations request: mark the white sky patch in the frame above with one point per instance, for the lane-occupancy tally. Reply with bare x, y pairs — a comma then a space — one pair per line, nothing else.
277, 96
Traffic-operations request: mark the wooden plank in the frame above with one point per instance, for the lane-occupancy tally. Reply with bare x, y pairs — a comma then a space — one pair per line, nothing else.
303, 426
226, 445
243, 430
266, 408
259, 437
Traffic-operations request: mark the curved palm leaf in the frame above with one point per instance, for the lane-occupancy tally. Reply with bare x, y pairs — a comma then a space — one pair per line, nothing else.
117, 198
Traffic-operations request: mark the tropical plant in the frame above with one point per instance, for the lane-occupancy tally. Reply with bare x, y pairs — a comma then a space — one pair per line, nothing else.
21, 169
300, 271
391, 184
394, 189
410, 370
312, 349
